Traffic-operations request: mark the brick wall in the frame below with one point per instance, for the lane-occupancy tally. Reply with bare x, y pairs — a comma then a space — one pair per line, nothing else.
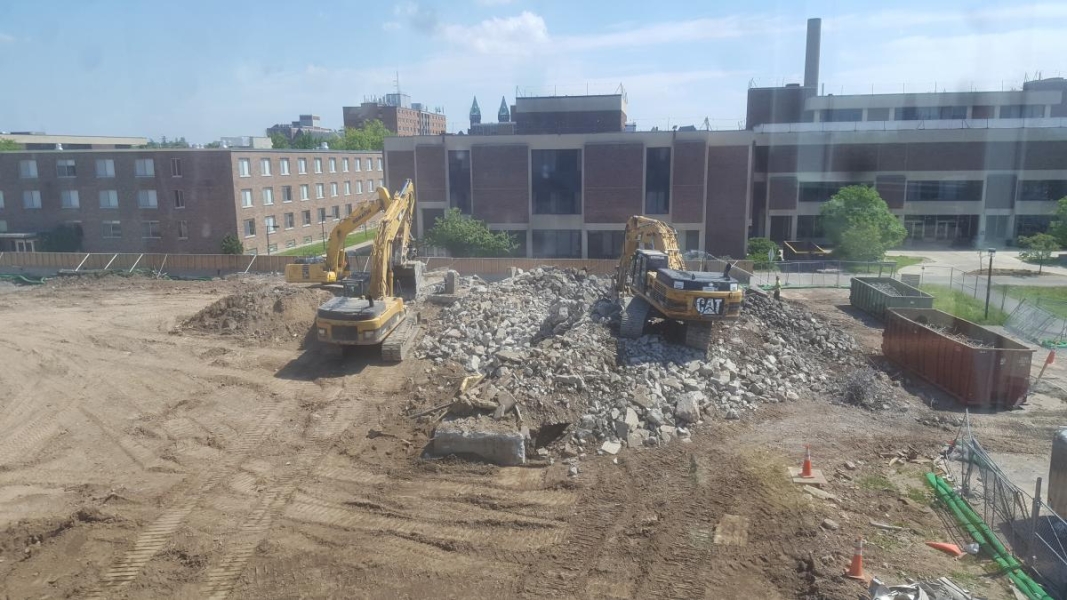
430, 168
687, 187
727, 200
613, 177
500, 188
400, 166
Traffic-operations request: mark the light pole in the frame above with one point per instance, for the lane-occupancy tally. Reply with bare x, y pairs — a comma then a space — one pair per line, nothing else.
989, 280
268, 226
322, 224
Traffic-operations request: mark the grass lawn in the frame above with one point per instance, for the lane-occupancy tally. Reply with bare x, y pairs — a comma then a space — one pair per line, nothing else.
964, 306
1052, 299
316, 249
906, 261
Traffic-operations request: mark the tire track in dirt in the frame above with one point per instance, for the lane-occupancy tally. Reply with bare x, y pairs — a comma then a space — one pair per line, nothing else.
152, 539
140, 455
28, 438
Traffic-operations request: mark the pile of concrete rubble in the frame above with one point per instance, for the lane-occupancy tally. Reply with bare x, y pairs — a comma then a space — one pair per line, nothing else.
546, 339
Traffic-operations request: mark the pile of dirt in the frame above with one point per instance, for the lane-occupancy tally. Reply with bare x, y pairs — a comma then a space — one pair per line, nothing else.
263, 313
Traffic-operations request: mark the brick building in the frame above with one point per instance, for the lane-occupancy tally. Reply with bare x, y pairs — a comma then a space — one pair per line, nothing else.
28, 140
184, 200
398, 114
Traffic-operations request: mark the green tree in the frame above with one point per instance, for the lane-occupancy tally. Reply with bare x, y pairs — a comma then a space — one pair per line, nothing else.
62, 238
165, 143
279, 141
213, 145
371, 136
759, 249
858, 223
463, 236
7, 145
232, 245
305, 141
1039, 248
1058, 227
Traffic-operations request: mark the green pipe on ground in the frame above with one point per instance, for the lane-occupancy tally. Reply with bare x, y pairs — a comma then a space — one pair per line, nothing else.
987, 540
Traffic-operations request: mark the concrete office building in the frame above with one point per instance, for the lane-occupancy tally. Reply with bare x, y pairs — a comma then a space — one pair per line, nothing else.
182, 200
962, 168
399, 115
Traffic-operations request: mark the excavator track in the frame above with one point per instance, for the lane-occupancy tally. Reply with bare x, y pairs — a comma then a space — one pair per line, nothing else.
698, 335
398, 345
633, 317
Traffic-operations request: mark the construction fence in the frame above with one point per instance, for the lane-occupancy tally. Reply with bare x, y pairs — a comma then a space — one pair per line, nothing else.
1039, 321
821, 273
1030, 529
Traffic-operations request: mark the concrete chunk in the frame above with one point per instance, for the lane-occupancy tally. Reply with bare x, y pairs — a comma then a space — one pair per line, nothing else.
499, 447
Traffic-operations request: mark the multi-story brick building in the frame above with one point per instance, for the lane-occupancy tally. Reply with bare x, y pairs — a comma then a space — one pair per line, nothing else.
398, 114
184, 200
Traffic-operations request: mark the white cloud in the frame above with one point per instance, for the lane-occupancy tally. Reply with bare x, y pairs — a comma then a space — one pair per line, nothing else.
422, 18
670, 32
6, 38
521, 35
980, 17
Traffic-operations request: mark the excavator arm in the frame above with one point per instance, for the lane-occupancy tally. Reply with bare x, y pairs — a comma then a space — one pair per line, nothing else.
646, 233
391, 244
335, 266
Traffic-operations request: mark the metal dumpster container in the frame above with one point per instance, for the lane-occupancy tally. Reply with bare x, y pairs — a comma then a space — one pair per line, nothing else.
975, 365
875, 295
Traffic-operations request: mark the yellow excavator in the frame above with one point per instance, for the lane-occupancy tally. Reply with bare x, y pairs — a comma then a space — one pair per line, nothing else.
371, 310
334, 267
654, 278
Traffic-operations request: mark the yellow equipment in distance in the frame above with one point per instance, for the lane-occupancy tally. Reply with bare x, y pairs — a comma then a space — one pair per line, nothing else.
651, 270
335, 266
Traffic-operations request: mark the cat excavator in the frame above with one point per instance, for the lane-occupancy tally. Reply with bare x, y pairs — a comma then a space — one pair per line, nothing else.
371, 311
334, 267
652, 282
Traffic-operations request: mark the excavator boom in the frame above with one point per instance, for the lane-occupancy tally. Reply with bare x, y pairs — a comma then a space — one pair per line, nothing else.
335, 265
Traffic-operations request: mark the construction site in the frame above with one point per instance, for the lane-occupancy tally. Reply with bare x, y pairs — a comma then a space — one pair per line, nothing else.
555, 432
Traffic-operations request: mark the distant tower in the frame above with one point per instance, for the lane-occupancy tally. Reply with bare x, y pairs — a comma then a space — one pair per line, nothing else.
476, 113
503, 115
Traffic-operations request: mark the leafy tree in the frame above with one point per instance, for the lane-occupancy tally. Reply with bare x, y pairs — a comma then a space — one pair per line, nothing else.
278, 141
369, 137
1039, 248
463, 236
213, 145
858, 223
9, 145
1058, 227
759, 248
165, 143
305, 141
63, 238
232, 245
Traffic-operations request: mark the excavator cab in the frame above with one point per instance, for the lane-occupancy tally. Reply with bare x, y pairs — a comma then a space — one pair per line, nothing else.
644, 262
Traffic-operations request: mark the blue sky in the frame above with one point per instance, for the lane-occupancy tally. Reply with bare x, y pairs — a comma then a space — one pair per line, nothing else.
205, 69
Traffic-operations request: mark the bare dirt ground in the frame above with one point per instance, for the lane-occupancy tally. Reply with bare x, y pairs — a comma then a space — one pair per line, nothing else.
145, 454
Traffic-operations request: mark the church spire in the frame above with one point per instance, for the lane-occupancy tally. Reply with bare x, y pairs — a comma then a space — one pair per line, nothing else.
503, 115
476, 113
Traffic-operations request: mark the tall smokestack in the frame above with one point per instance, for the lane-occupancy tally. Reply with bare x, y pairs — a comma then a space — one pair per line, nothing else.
811, 55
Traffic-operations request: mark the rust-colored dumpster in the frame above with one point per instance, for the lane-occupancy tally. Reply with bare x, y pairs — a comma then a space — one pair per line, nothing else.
875, 295
975, 365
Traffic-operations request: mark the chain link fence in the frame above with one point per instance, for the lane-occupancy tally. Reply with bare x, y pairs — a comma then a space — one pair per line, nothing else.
1038, 321
1028, 527
821, 273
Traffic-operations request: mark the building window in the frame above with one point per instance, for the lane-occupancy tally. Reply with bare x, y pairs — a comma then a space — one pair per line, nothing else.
287, 193
359, 187
949, 191
605, 244
290, 220
150, 229
270, 223
244, 167
306, 217
843, 115
272, 248
333, 165
250, 227
318, 165
370, 186
31, 199
111, 229
357, 163
283, 166
179, 199
147, 199
302, 166
344, 165
931, 113
264, 167
183, 230
268, 196
290, 243
1, 204
1027, 225
109, 199
459, 180
308, 239
657, 181
348, 188
381, 183
144, 167
821, 191
1046, 190
335, 211
175, 167
320, 190
379, 164
69, 199
692, 240
322, 215
303, 192
551, 243
27, 169
333, 190
246, 198
105, 168
809, 227
66, 168
1023, 111
557, 182
348, 209
368, 164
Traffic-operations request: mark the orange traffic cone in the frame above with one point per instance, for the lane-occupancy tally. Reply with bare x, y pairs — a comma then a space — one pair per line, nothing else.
947, 548
855, 569
805, 470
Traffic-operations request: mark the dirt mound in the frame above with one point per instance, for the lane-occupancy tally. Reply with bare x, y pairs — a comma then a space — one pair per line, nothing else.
264, 313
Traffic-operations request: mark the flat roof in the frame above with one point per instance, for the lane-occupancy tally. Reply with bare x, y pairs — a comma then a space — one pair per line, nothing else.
49, 138
114, 150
